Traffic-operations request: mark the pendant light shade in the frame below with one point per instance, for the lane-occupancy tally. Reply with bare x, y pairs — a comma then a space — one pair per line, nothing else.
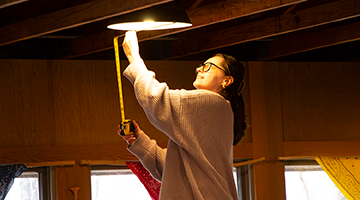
165, 16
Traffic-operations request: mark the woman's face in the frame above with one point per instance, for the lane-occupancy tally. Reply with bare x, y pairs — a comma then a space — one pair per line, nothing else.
213, 79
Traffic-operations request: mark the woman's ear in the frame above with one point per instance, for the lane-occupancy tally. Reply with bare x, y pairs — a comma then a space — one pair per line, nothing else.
228, 81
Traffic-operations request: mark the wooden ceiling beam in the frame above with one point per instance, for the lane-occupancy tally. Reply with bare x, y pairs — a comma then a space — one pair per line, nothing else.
70, 17
189, 4
200, 17
104, 40
196, 4
233, 9
286, 23
6, 3
314, 40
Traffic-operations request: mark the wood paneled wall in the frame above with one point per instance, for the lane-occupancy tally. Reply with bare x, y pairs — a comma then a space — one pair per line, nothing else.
56, 103
68, 106
69, 110
320, 101
53, 111
67, 103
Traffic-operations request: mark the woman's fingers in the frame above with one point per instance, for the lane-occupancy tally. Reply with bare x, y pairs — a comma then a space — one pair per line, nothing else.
137, 129
131, 46
131, 138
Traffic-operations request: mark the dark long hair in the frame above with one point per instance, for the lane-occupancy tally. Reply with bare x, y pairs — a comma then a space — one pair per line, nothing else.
233, 93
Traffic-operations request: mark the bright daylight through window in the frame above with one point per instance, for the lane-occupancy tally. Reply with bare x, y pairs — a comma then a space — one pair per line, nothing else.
310, 182
109, 184
116, 184
25, 187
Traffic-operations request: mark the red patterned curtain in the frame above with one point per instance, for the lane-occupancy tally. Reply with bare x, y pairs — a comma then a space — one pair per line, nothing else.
151, 184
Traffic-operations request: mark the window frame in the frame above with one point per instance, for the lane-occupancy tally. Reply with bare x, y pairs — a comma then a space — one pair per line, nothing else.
245, 180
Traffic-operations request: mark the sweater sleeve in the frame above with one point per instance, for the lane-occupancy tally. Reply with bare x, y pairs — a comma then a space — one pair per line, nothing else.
160, 104
150, 155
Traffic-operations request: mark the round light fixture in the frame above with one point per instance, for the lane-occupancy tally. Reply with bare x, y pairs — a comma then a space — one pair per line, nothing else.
165, 16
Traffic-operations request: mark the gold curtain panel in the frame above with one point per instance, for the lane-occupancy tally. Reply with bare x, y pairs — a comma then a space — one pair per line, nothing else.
345, 173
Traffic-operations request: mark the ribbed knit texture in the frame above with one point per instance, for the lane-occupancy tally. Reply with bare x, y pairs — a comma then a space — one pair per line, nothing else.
197, 163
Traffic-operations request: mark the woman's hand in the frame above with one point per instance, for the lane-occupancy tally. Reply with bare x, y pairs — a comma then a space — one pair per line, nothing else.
131, 46
131, 138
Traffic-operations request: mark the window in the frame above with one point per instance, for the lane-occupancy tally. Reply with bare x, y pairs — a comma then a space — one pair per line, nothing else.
32, 184
109, 183
306, 180
25, 187
244, 182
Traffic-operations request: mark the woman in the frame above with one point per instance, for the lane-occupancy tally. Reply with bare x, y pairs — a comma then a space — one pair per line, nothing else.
202, 126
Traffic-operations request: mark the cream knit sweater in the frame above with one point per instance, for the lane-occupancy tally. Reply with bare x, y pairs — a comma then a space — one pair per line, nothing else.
197, 163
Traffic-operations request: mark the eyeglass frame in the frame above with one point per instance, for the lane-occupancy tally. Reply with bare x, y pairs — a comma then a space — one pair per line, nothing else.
211, 64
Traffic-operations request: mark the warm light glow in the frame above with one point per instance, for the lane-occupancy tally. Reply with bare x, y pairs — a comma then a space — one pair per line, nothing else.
148, 25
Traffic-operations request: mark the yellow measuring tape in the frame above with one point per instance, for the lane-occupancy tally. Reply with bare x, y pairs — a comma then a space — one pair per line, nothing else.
126, 125
117, 60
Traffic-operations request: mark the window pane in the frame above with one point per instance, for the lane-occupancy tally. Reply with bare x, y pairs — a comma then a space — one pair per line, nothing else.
117, 184
235, 177
309, 183
25, 187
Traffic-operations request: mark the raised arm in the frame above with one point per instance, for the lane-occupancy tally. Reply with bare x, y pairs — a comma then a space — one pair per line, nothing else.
154, 97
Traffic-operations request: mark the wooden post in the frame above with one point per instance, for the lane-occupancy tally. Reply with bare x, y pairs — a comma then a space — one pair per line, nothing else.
66, 177
266, 117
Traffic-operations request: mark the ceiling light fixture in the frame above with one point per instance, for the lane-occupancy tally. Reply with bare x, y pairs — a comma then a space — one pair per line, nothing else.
165, 16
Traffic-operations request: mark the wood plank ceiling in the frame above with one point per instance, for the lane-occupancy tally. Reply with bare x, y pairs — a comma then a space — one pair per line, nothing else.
251, 30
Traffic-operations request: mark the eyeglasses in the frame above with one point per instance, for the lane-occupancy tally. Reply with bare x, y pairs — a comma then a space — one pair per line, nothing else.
205, 67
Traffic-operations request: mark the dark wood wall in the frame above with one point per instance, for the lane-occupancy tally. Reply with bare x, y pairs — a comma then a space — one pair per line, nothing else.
65, 114
73, 103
